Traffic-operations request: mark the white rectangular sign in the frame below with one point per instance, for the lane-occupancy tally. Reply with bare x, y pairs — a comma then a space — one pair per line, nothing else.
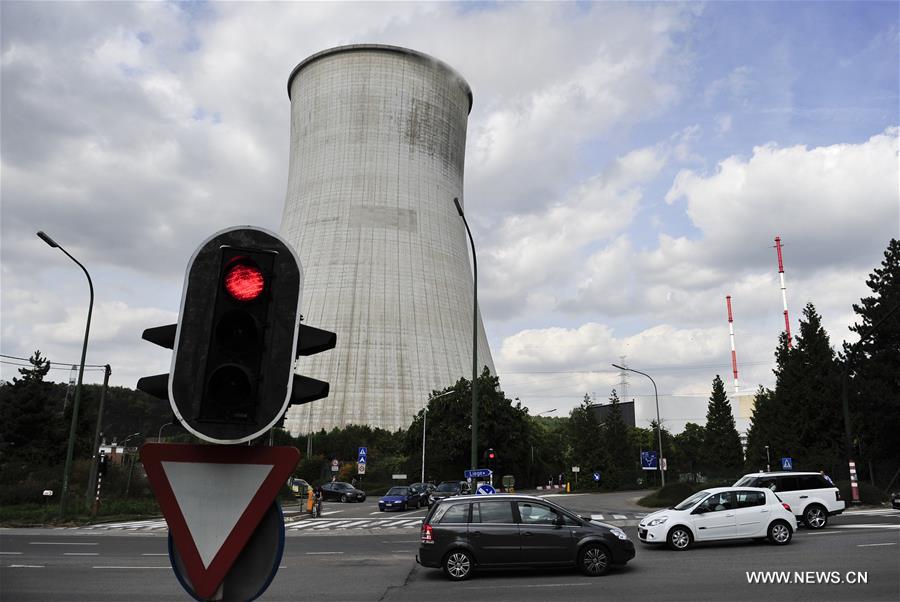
576, 469
399, 477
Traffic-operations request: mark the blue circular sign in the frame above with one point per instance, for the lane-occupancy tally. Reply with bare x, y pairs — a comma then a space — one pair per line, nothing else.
485, 489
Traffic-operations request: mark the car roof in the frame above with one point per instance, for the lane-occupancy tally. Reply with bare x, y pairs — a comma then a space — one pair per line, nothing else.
723, 489
780, 473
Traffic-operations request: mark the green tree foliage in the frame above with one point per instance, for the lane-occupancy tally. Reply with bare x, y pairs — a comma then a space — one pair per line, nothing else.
688, 450
550, 450
874, 397
585, 436
722, 453
767, 428
502, 425
617, 450
40, 366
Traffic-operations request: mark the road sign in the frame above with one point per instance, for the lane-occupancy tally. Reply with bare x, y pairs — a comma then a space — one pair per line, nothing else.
399, 477
485, 489
649, 460
478, 473
360, 469
787, 464
255, 567
213, 499
597, 476
663, 464
335, 466
363, 452
576, 469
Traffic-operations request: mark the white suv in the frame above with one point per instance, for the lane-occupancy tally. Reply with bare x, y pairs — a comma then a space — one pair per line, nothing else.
812, 497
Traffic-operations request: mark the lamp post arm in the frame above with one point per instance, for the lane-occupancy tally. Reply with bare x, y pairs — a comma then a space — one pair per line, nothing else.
474, 454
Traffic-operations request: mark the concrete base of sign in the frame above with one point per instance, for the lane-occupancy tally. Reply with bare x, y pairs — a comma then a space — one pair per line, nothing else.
254, 568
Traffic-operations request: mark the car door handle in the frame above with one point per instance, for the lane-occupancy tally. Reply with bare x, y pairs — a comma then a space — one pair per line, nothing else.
803, 497
475, 533
763, 510
527, 533
728, 515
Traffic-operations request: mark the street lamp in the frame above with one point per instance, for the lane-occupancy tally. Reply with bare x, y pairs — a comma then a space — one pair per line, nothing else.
159, 434
87, 329
474, 338
424, 420
662, 473
538, 414
768, 460
131, 468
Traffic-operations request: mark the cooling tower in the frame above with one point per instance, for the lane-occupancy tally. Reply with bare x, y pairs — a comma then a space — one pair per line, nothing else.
378, 136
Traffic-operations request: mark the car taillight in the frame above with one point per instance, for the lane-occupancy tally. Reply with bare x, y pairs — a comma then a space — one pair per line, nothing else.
786, 507
837, 495
427, 534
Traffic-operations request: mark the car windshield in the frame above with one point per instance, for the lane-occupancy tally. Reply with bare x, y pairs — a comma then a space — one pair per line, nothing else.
398, 491
343, 486
448, 487
691, 500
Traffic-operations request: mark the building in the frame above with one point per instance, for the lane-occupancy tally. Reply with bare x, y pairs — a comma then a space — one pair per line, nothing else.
378, 136
601, 412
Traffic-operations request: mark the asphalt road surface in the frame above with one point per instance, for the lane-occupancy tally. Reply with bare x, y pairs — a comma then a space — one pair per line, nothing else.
856, 558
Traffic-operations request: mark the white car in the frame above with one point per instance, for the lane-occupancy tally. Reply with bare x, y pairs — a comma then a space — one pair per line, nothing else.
812, 497
721, 513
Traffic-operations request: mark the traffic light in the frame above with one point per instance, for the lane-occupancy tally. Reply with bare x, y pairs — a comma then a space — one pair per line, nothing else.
237, 339
490, 455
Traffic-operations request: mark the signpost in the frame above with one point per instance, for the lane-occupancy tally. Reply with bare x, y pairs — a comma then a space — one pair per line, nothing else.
478, 473
787, 464
485, 489
335, 465
649, 460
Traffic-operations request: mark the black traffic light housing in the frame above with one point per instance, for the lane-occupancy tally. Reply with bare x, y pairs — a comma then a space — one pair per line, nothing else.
490, 455
237, 339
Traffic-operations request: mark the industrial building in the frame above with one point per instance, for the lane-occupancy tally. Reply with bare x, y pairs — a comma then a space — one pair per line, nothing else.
377, 154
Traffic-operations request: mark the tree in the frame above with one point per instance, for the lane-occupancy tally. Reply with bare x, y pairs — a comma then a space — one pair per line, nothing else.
766, 427
807, 391
874, 397
40, 366
722, 451
688, 452
617, 450
585, 435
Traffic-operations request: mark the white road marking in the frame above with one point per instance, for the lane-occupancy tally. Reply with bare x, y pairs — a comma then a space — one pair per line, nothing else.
596, 517
61, 543
26, 566
822, 533
10, 553
620, 516
81, 553
166, 554
872, 526
106, 566
872, 545
322, 553
303, 525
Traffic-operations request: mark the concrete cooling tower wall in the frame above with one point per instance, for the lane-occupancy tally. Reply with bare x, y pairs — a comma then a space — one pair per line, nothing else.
378, 136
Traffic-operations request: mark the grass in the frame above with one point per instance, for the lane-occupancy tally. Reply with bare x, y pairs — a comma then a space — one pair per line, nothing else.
36, 515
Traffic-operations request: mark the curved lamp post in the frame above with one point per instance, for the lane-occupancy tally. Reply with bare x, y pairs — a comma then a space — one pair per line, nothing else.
87, 329
662, 473
474, 339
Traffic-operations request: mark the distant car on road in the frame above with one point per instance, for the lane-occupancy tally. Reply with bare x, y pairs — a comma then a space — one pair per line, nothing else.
448, 489
342, 492
721, 513
811, 496
399, 498
460, 534
424, 491
895, 500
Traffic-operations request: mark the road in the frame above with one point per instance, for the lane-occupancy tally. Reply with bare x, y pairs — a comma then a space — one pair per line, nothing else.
366, 564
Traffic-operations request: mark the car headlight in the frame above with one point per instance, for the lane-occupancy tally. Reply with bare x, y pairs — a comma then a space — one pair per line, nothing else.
658, 521
618, 533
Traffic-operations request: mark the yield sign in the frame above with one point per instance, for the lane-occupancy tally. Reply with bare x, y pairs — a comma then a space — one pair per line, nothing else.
213, 498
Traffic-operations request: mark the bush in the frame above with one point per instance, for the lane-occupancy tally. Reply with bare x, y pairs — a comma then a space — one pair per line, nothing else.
868, 494
669, 495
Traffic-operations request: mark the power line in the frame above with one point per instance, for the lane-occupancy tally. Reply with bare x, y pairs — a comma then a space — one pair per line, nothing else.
28, 359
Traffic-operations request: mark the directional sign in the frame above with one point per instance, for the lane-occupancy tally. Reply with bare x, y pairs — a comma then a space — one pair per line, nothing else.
485, 489
213, 498
360, 469
597, 476
787, 464
649, 460
478, 473
363, 452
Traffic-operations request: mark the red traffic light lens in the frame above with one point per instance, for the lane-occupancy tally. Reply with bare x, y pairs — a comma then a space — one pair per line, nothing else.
244, 281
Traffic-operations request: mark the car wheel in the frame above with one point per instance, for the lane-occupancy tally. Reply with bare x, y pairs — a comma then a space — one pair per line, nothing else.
815, 516
680, 538
343, 498
780, 533
458, 565
593, 560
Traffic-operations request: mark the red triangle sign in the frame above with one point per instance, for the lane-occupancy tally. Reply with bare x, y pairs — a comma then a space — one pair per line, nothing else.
213, 498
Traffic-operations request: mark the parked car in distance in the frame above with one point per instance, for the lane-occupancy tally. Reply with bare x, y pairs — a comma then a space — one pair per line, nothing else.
342, 492
400, 497
895, 500
298, 487
424, 491
721, 513
811, 496
463, 533
448, 489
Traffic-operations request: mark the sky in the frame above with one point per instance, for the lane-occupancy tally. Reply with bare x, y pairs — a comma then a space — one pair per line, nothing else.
628, 165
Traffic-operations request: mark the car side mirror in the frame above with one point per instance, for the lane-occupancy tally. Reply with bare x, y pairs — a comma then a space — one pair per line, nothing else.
559, 521
699, 510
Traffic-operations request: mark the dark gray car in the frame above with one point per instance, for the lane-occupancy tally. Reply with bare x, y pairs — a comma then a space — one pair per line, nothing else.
462, 533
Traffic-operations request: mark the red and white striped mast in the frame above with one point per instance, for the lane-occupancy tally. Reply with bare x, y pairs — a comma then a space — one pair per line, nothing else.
787, 322
731, 333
